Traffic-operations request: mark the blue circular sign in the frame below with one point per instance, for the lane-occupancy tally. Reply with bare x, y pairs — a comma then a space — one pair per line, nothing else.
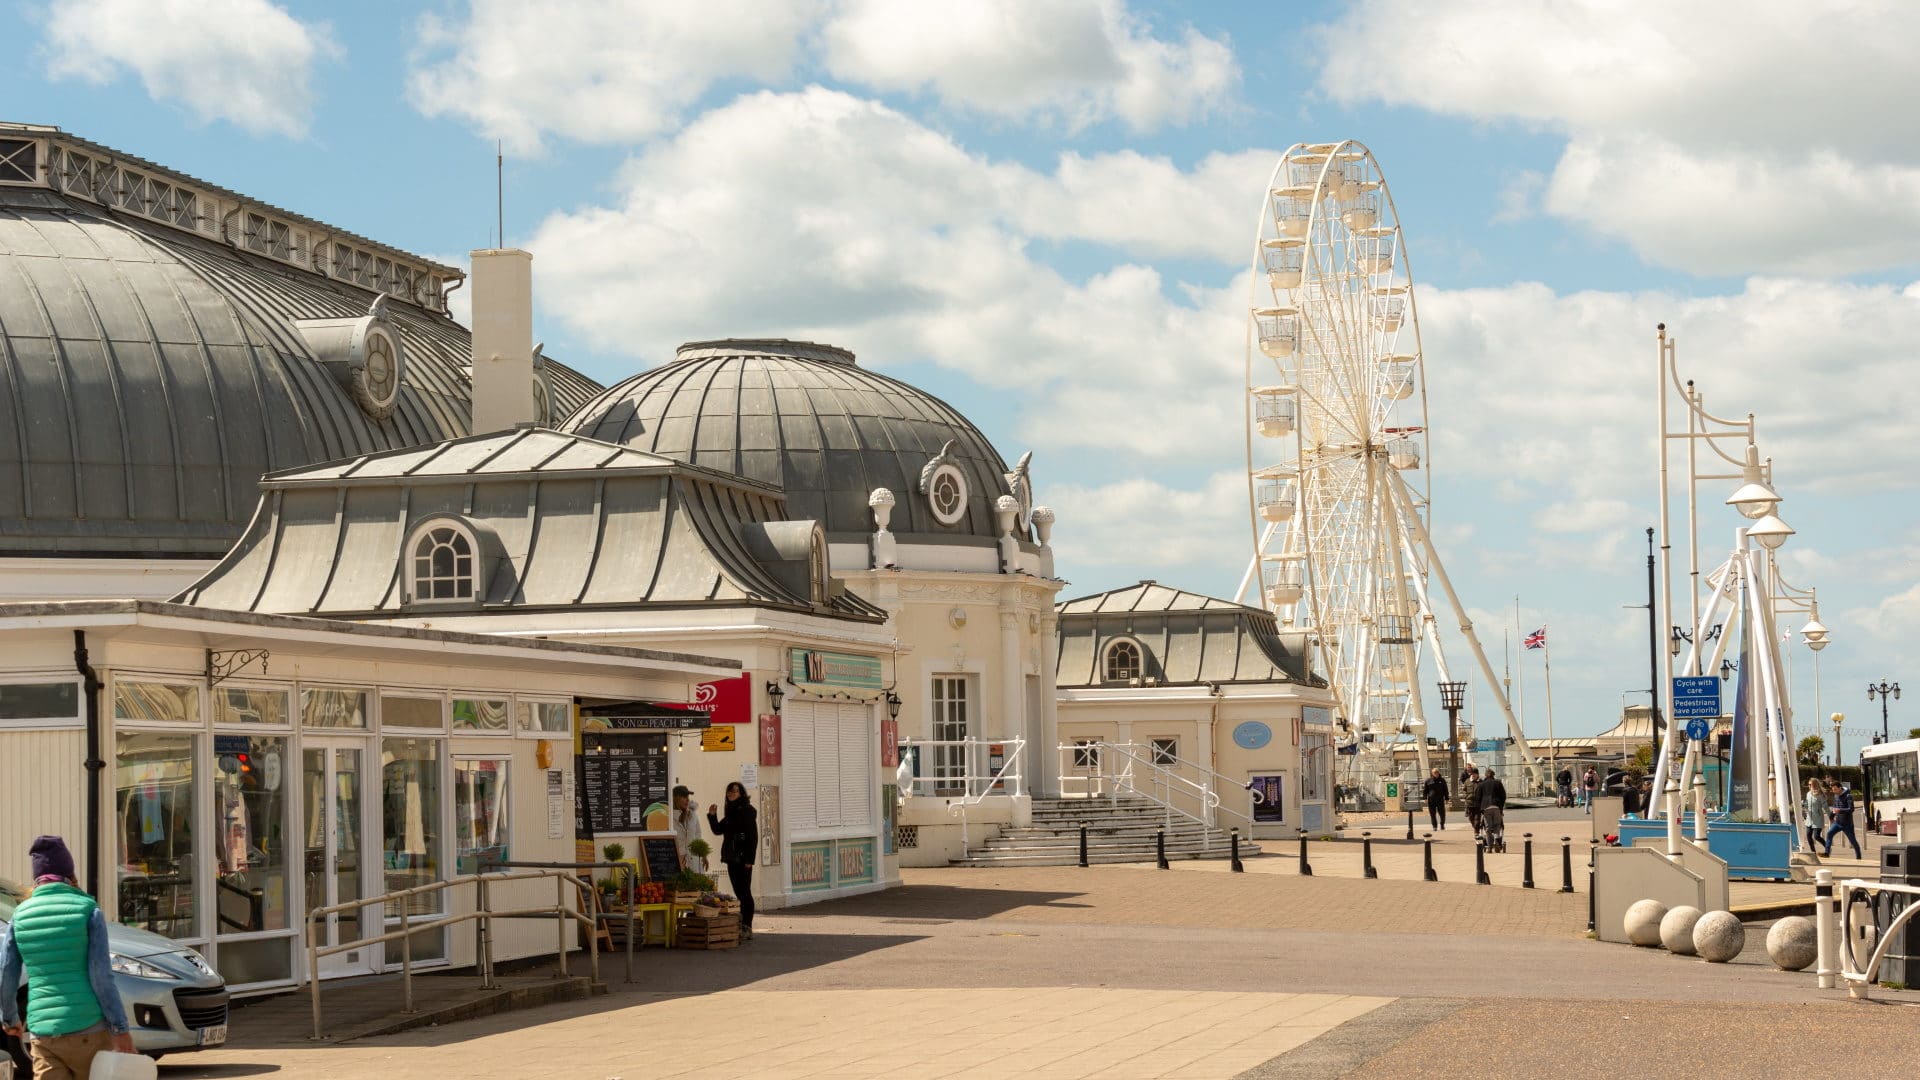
1252, 735
1696, 729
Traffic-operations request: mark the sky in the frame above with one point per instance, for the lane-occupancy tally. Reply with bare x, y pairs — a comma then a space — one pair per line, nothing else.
1043, 210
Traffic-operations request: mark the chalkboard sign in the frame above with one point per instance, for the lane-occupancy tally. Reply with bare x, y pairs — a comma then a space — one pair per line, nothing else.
623, 781
662, 857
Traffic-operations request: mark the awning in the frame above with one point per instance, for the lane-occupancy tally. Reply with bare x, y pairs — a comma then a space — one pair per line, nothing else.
646, 716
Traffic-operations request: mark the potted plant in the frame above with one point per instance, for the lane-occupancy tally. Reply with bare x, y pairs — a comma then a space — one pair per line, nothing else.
686, 886
699, 849
614, 852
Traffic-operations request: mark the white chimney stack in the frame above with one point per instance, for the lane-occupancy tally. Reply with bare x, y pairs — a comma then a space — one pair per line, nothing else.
502, 339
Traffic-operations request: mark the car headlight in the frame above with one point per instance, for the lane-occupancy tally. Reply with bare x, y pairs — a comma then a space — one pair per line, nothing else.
139, 969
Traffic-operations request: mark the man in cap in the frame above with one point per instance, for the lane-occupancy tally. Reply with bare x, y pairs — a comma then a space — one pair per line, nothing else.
686, 827
59, 938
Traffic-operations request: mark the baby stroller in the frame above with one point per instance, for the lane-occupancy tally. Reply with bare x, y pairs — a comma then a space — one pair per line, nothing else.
1493, 829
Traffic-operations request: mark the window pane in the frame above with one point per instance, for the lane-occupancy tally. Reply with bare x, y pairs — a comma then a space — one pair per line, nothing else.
40, 701
243, 962
156, 701
551, 716
153, 800
334, 708
411, 712
410, 825
250, 815
480, 813
237, 705
480, 714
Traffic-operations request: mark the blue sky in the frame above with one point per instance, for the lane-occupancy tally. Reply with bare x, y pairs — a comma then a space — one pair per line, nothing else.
1042, 212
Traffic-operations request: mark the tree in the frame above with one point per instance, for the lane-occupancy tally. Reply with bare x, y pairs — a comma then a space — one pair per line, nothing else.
1913, 733
1811, 748
1642, 759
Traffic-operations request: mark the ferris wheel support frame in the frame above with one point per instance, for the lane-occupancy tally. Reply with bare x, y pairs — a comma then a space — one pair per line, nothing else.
1439, 570
1408, 655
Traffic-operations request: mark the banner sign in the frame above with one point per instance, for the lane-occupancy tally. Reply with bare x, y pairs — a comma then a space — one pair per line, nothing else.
821, 668
889, 743
769, 744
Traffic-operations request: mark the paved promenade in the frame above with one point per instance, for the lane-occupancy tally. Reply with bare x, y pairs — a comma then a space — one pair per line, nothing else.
1129, 972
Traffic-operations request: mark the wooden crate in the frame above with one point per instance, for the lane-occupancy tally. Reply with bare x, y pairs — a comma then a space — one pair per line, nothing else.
718, 932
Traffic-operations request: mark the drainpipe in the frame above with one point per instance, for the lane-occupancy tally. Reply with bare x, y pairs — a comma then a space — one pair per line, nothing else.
94, 763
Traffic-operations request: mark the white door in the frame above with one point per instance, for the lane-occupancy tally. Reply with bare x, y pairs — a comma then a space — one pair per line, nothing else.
337, 807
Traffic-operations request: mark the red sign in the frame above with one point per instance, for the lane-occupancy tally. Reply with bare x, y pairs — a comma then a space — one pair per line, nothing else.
890, 743
770, 739
725, 701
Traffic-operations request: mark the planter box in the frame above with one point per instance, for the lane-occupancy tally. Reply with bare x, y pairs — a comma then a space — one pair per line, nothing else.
718, 932
1753, 850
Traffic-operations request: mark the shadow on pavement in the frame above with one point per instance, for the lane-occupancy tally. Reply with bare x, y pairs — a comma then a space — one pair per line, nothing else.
185, 1069
937, 903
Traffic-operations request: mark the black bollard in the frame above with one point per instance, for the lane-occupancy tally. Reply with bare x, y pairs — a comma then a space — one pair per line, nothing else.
1409, 824
1526, 867
1366, 856
1238, 868
1083, 843
1592, 846
1480, 864
1306, 868
1431, 876
1160, 848
1566, 864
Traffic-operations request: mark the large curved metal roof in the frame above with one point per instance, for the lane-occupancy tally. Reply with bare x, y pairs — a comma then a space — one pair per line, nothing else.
150, 375
1186, 639
805, 418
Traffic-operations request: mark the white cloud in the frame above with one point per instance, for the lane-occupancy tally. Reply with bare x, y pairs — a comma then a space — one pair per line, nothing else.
1189, 536
1717, 137
611, 71
1079, 61
245, 61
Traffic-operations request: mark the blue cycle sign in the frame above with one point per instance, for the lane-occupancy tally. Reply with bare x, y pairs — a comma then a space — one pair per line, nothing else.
1696, 696
1697, 729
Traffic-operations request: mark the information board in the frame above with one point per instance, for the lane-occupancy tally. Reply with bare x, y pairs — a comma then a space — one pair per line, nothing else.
662, 857
623, 781
1696, 695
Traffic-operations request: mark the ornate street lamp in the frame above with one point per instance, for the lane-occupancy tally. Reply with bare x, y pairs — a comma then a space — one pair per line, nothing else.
1453, 695
1884, 690
774, 694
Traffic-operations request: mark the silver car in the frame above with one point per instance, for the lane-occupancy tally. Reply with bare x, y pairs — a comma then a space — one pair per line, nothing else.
174, 999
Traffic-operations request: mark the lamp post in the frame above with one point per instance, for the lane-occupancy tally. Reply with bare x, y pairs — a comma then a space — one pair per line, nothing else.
1838, 718
1884, 690
1453, 695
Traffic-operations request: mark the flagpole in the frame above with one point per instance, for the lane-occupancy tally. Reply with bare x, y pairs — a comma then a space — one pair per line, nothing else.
1520, 703
1553, 750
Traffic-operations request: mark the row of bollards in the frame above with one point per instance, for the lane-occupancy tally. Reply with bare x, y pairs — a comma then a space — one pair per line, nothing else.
1372, 872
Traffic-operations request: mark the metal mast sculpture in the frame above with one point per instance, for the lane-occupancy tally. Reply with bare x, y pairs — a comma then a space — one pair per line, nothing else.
1337, 453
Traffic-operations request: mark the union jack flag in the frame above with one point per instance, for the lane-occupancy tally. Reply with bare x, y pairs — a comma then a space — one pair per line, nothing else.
1536, 640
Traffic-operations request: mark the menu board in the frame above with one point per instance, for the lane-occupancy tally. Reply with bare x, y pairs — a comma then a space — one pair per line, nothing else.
623, 780
662, 856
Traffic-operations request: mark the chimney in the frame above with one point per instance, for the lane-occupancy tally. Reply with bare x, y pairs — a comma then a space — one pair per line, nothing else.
502, 339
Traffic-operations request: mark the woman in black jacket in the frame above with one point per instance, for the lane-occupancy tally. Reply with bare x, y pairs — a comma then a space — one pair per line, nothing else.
739, 834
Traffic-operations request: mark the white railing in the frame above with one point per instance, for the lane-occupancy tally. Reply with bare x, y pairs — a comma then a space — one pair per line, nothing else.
1110, 769
1859, 975
963, 772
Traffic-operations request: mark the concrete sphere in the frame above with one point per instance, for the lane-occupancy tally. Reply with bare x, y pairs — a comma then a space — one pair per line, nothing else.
1719, 936
1676, 930
1790, 944
1642, 922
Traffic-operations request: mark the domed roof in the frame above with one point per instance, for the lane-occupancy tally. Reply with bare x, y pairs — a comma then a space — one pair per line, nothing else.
806, 418
149, 375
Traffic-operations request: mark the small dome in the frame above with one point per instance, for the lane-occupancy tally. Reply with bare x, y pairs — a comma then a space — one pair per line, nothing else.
149, 376
805, 417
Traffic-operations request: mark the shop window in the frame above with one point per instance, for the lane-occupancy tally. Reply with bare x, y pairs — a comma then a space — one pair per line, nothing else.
154, 780
31, 704
330, 708
244, 963
481, 813
412, 712
1123, 662
411, 840
441, 563
239, 705
1165, 751
177, 703
250, 792
1312, 761
479, 714
952, 723
551, 717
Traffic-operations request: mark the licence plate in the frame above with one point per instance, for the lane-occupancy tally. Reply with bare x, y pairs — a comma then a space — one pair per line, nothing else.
213, 1036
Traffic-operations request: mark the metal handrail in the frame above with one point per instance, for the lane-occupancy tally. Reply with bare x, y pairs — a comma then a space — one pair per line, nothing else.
483, 914
1123, 779
1860, 978
990, 783
625, 870
1214, 802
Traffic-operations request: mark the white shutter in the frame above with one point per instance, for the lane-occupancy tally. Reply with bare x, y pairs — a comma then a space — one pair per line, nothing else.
827, 765
797, 729
858, 750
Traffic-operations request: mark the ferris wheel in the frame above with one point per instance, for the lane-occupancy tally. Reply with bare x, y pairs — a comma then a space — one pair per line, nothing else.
1338, 468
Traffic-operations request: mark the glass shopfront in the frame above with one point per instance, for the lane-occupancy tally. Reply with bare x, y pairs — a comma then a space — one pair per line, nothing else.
481, 813
410, 837
154, 789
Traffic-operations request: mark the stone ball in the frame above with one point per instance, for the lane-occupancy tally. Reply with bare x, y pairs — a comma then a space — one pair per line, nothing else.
1719, 936
1642, 922
1676, 929
1790, 944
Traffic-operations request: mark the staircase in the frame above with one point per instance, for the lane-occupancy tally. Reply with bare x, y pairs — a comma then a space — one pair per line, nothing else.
1118, 831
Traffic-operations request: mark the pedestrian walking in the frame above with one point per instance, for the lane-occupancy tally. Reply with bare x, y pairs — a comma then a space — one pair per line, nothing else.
1589, 783
58, 940
1840, 811
1814, 810
1492, 798
739, 834
1470, 797
1435, 792
1563, 787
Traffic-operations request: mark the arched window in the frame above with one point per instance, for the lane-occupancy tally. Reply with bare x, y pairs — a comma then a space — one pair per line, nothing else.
1123, 662
443, 564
